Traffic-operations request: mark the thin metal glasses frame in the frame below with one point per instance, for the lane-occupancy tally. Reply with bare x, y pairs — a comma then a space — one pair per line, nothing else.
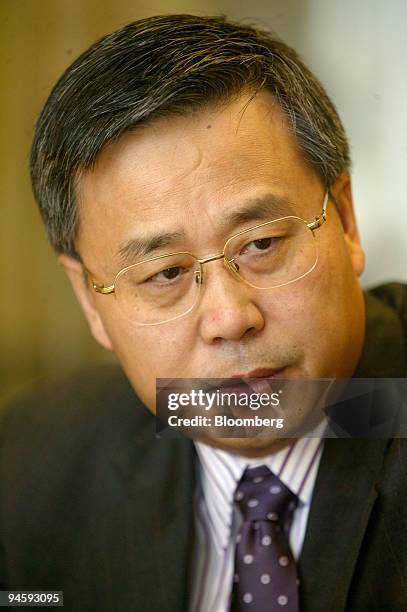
229, 263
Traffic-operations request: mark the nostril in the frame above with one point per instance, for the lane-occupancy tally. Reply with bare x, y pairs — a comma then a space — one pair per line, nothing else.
250, 332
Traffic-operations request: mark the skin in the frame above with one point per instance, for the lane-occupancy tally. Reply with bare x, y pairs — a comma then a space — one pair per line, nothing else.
185, 173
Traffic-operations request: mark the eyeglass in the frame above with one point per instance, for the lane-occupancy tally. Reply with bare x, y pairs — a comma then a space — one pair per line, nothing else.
167, 287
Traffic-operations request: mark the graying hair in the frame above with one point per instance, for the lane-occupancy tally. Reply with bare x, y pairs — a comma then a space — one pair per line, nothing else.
157, 67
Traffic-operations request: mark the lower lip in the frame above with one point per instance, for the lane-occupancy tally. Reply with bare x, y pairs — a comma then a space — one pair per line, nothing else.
276, 374
261, 384
252, 382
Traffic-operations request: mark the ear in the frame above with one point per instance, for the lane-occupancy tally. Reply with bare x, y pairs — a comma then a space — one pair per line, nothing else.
86, 299
341, 190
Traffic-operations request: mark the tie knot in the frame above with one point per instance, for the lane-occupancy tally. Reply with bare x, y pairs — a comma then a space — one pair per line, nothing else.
262, 496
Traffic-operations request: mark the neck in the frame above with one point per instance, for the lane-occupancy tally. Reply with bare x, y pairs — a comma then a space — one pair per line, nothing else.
248, 447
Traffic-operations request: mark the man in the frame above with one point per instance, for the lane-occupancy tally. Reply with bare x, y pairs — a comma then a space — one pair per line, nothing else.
158, 156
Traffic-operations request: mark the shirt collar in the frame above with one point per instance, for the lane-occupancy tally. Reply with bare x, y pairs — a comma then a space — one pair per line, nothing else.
220, 472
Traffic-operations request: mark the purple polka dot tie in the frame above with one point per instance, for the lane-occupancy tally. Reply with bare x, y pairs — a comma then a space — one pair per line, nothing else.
265, 571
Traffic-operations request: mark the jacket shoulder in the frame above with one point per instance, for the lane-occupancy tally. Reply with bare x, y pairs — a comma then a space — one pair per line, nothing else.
60, 422
91, 392
395, 296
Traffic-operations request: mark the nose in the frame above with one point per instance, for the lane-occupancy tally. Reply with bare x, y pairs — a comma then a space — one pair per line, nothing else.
228, 308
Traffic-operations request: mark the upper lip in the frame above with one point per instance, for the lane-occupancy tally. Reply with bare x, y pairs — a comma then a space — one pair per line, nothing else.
258, 373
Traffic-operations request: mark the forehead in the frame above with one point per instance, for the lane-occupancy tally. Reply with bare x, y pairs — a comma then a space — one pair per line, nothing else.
186, 171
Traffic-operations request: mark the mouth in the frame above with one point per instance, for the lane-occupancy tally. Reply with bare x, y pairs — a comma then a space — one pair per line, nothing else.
262, 373
259, 379
243, 381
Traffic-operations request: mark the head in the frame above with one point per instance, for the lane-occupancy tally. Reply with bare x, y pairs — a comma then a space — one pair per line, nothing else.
166, 129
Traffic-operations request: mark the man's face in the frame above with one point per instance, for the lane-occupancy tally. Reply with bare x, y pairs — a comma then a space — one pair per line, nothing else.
185, 175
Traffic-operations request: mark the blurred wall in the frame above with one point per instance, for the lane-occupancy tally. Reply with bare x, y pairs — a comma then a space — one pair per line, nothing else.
356, 47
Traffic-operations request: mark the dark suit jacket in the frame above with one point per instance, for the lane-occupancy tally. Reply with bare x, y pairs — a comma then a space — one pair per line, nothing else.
92, 503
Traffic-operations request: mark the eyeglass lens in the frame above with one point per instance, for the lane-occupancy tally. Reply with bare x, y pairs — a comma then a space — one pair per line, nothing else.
165, 288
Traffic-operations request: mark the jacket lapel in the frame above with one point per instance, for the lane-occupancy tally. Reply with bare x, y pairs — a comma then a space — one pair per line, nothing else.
346, 486
344, 495
157, 475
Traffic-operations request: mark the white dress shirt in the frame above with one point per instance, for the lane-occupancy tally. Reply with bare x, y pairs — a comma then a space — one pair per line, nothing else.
217, 520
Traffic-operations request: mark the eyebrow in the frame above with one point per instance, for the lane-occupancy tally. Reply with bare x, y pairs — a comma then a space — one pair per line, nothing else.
263, 208
140, 246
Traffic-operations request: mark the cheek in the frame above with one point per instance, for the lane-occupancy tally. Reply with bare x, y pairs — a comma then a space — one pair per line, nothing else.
139, 363
330, 311
146, 354
311, 316
304, 304
291, 309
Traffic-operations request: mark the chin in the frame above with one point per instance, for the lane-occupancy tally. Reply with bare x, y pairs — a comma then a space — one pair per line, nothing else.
249, 447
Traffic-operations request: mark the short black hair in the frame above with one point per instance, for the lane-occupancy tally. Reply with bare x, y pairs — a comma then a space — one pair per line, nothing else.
159, 66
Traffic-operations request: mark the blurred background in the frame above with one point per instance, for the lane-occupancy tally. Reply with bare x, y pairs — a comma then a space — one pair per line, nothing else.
358, 48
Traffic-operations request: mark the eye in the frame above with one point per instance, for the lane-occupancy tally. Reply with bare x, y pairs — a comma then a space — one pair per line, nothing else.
261, 244
168, 274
